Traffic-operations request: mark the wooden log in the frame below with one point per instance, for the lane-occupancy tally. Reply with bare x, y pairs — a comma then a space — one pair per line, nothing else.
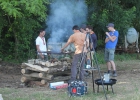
52, 70
46, 76
43, 81
23, 65
35, 67
27, 79
26, 71
36, 75
36, 83
32, 75
42, 75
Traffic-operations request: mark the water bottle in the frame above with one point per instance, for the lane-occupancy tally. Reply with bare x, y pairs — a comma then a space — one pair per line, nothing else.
106, 77
88, 64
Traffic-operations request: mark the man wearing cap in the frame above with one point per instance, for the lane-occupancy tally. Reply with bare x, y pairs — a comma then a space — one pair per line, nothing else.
111, 42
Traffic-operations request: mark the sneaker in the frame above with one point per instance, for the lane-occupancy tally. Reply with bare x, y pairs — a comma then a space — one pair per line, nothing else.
114, 75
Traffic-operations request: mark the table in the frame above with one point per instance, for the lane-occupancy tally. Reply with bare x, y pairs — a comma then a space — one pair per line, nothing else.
102, 82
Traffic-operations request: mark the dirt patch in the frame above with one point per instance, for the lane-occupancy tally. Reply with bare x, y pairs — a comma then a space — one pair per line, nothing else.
10, 74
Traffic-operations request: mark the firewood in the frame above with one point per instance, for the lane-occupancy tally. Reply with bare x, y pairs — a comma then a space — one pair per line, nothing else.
32, 75
43, 81
42, 75
36, 75
25, 79
46, 76
35, 67
26, 71
36, 83
23, 65
52, 70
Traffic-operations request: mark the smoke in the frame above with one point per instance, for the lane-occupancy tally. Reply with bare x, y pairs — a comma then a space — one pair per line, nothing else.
64, 14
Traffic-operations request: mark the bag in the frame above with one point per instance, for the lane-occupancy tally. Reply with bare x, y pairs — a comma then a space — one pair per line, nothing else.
77, 88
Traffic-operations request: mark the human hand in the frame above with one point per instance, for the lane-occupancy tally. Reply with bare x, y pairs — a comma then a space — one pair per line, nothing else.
42, 56
62, 49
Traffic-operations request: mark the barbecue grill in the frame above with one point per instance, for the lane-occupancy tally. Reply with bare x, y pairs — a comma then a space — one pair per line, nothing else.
111, 82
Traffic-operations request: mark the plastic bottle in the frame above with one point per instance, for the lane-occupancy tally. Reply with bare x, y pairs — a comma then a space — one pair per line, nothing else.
88, 64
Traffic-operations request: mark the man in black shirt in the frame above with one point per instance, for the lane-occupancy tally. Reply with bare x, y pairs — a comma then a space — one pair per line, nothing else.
93, 37
93, 43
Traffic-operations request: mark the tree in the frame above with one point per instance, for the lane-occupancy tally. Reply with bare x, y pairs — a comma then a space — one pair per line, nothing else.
21, 19
105, 11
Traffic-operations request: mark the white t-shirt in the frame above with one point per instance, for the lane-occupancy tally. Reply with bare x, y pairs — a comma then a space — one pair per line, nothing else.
42, 44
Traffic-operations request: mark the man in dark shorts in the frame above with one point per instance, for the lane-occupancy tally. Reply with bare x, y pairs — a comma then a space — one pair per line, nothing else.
111, 42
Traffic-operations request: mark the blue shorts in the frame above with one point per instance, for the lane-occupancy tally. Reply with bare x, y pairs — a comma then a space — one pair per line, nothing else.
109, 54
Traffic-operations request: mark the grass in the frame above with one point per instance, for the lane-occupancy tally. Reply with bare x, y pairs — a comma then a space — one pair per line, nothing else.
9, 94
127, 87
118, 57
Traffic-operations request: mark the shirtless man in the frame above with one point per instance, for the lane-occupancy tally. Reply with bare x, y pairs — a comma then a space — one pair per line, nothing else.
78, 39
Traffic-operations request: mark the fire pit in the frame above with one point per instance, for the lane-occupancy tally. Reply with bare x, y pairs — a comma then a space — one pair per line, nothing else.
54, 50
111, 83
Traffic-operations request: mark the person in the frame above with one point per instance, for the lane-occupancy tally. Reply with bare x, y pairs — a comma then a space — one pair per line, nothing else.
93, 37
110, 45
78, 39
83, 28
93, 42
41, 45
88, 62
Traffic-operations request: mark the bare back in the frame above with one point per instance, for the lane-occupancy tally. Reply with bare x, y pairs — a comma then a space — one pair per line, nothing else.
78, 40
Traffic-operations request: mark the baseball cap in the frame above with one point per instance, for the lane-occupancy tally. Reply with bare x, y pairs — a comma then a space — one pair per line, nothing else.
110, 25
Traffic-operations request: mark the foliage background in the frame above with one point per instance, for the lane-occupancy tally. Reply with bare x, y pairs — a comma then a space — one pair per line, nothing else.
21, 20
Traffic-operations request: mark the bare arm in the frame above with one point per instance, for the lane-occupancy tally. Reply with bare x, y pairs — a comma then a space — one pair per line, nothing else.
65, 45
37, 47
106, 40
38, 50
112, 38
